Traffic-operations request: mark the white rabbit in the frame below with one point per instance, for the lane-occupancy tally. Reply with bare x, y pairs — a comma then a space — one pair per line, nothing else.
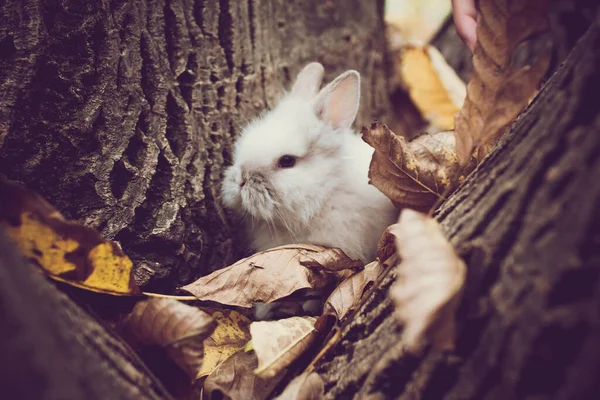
300, 173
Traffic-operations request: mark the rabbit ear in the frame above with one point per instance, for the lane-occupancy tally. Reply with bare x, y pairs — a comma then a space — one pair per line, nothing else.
308, 81
337, 103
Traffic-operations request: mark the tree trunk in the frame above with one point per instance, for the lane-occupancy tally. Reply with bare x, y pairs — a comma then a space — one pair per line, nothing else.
527, 223
123, 113
52, 349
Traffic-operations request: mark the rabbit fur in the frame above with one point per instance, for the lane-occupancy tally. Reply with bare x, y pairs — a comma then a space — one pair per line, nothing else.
324, 198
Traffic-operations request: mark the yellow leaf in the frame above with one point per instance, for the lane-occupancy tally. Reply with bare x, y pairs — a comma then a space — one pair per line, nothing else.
503, 81
279, 343
110, 270
418, 20
432, 84
42, 244
65, 250
231, 335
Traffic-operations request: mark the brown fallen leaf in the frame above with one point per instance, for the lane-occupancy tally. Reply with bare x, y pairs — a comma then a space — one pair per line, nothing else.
329, 259
386, 247
308, 386
349, 292
65, 250
432, 84
175, 326
231, 335
279, 343
416, 173
271, 275
429, 282
503, 80
235, 380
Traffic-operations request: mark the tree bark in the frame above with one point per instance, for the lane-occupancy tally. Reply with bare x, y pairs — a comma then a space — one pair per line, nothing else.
527, 223
123, 113
52, 349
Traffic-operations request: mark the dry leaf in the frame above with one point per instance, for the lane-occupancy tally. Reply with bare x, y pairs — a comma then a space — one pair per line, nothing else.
235, 379
179, 328
278, 343
386, 247
503, 82
329, 259
405, 119
231, 335
65, 250
304, 387
417, 20
165, 321
433, 85
416, 173
270, 275
429, 282
349, 292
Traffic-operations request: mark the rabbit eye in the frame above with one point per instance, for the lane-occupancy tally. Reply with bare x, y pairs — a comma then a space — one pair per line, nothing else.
286, 161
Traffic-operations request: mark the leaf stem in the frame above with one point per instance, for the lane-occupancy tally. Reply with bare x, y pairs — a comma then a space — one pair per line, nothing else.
170, 296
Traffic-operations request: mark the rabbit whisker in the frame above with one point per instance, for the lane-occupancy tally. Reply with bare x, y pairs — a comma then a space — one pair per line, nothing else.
287, 226
271, 226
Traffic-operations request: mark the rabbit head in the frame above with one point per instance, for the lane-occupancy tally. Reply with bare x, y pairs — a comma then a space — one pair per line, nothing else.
288, 161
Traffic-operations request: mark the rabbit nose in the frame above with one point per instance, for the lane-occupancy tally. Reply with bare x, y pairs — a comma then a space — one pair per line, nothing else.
242, 182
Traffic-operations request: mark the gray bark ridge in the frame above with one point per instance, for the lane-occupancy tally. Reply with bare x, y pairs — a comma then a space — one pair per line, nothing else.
527, 222
123, 113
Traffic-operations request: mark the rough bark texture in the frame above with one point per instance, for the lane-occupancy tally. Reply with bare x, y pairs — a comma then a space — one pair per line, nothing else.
52, 349
527, 222
123, 113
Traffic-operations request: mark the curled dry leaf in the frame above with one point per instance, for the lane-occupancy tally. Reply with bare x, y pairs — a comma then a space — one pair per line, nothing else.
349, 292
231, 335
512, 55
386, 248
271, 275
235, 379
308, 386
432, 84
179, 328
278, 343
429, 282
65, 250
416, 173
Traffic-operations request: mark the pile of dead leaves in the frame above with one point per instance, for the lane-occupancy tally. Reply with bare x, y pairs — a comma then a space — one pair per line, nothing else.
216, 339
218, 346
